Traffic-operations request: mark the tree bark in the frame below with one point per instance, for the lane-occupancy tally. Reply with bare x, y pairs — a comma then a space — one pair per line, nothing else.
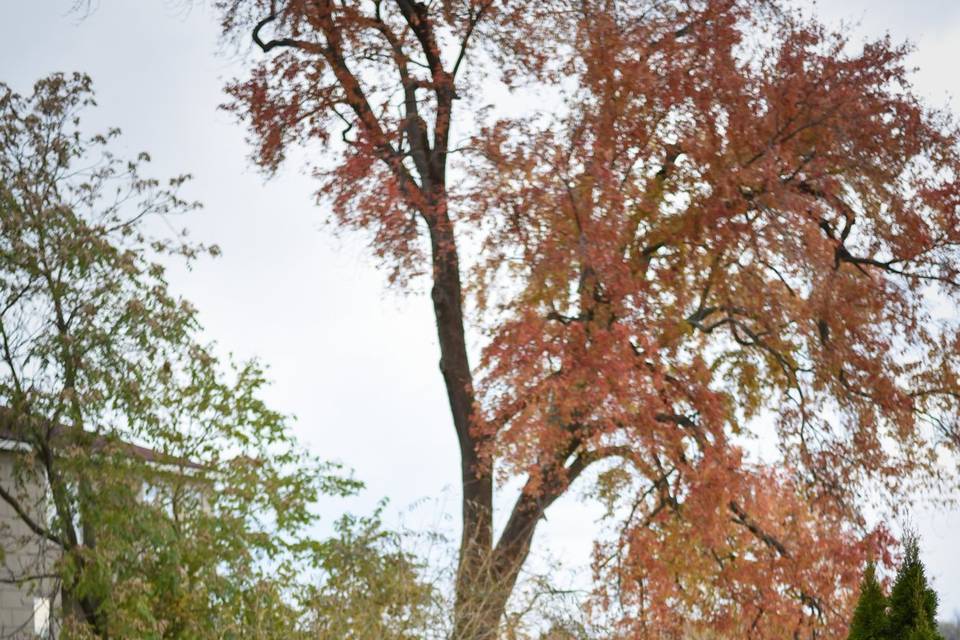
474, 617
481, 588
86, 610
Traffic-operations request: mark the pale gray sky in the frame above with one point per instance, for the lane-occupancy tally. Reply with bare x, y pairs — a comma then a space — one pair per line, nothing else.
354, 362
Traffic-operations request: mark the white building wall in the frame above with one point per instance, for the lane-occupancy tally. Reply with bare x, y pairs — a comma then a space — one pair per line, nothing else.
24, 554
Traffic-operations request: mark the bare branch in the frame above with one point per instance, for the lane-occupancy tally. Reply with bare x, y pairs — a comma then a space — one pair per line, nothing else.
27, 519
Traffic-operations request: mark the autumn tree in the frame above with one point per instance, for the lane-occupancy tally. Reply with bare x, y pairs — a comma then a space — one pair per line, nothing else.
723, 221
163, 497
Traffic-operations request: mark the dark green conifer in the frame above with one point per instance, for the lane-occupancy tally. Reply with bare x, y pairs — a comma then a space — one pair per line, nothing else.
870, 616
913, 604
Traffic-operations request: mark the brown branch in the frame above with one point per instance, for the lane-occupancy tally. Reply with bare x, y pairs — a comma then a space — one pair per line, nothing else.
30, 578
417, 16
415, 13
471, 25
742, 518
356, 99
414, 127
25, 517
312, 47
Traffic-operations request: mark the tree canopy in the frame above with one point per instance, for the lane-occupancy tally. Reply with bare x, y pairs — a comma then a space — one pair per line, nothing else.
170, 500
725, 221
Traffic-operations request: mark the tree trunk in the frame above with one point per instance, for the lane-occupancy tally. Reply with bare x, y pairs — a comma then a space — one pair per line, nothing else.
86, 610
484, 587
479, 610
482, 600
476, 613
488, 575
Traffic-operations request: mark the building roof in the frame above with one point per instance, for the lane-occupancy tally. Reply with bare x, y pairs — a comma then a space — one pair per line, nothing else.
15, 435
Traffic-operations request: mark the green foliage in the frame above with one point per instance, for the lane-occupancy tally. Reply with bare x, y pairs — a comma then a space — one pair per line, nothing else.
913, 604
910, 611
371, 588
178, 501
870, 616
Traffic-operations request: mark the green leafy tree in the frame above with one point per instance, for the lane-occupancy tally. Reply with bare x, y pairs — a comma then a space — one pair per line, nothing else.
913, 604
371, 588
162, 497
870, 616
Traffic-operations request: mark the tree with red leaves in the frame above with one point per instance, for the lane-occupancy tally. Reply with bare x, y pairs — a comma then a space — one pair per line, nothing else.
729, 222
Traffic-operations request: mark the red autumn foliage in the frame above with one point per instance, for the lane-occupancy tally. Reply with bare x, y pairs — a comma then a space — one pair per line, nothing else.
730, 221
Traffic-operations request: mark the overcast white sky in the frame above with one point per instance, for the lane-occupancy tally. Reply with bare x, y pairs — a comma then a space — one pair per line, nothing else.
354, 362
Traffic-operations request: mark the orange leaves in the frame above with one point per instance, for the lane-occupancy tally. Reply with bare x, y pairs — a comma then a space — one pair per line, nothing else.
718, 211
756, 561
707, 237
